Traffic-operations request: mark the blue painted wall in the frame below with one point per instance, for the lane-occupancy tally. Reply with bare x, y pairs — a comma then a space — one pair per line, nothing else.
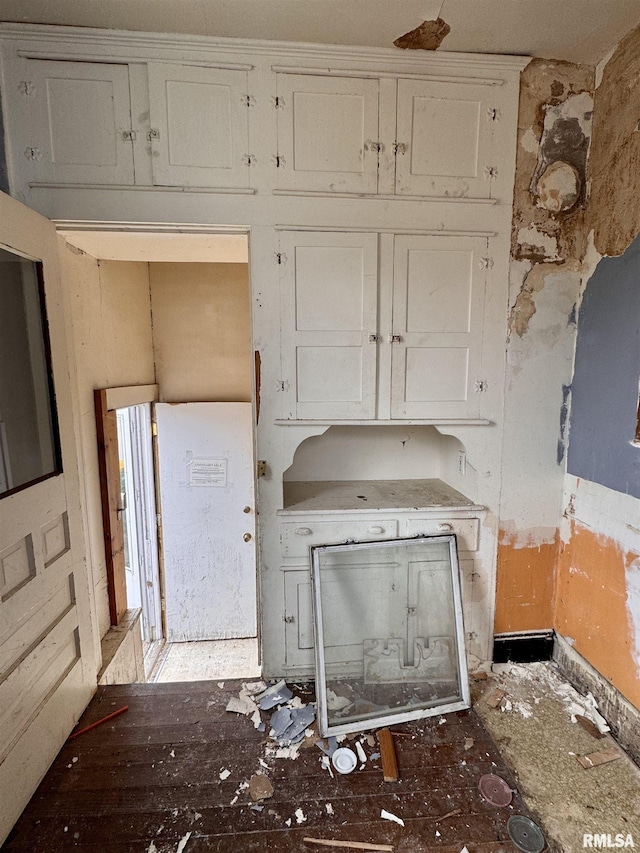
604, 399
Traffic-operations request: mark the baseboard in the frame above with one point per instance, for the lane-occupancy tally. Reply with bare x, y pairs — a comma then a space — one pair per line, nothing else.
523, 647
122, 657
622, 716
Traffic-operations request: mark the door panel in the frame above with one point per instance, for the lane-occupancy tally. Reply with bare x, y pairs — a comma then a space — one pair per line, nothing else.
327, 133
206, 481
438, 298
329, 309
199, 126
79, 123
47, 645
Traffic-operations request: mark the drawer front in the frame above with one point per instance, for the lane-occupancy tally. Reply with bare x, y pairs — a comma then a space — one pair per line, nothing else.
466, 529
298, 536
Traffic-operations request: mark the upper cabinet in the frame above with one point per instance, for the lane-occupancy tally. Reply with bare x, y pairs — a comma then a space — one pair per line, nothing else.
428, 138
383, 326
77, 125
199, 126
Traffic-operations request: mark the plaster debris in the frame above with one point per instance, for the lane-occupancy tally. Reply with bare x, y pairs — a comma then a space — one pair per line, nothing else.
183, 842
495, 698
224, 774
329, 808
152, 848
389, 816
362, 756
468, 743
277, 694
260, 788
300, 816
428, 36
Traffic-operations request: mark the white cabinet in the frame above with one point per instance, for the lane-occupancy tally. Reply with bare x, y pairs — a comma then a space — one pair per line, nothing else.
77, 125
429, 138
199, 126
361, 345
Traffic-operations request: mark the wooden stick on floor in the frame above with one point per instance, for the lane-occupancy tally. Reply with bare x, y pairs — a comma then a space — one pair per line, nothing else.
388, 754
355, 845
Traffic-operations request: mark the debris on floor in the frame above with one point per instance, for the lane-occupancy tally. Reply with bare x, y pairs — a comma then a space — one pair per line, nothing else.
354, 845
389, 816
594, 759
260, 788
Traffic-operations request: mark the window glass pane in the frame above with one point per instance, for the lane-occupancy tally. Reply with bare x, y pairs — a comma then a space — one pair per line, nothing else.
28, 427
388, 630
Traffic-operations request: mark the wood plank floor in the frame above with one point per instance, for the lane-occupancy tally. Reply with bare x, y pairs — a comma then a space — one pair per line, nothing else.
148, 778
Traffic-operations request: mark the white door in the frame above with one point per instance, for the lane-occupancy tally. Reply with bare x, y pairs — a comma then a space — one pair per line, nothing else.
207, 506
79, 123
327, 133
438, 319
199, 126
47, 648
329, 303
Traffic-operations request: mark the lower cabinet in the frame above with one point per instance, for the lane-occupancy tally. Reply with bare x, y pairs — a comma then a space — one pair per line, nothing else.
298, 536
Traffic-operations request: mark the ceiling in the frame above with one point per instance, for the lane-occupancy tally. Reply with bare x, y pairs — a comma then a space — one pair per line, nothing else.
573, 30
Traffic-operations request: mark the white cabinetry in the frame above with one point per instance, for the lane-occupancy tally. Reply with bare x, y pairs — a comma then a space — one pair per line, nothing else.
199, 128
362, 344
300, 529
77, 126
352, 134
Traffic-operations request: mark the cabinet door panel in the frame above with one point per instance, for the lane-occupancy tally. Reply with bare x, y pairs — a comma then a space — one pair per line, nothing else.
438, 296
445, 131
327, 130
329, 305
199, 126
79, 122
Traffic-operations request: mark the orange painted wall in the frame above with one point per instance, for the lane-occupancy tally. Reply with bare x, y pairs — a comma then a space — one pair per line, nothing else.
591, 606
525, 585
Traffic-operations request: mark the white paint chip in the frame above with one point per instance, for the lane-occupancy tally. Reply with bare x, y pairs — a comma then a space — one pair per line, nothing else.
300, 816
328, 808
389, 816
183, 842
224, 774
152, 848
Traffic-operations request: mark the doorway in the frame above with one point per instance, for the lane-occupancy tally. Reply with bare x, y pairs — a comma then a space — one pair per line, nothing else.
197, 334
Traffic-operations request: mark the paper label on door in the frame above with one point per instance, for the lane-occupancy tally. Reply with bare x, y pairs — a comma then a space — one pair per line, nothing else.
208, 472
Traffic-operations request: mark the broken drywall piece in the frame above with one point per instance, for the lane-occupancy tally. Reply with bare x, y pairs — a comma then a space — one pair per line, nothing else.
254, 687
589, 726
183, 842
277, 694
237, 705
389, 816
428, 36
595, 759
260, 788
300, 816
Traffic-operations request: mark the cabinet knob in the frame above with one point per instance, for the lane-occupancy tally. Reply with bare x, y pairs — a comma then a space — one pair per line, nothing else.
376, 529
445, 526
395, 339
247, 537
373, 339
247, 509
303, 531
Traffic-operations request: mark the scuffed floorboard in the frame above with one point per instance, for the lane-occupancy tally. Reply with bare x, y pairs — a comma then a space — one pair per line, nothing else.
145, 780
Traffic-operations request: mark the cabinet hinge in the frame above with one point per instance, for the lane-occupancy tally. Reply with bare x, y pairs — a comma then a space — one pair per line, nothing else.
486, 263
33, 153
400, 148
249, 100
373, 146
261, 468
248, 160
282, 385
26, 87
154, 133
129, 135
490, 172
480, 385
279, 162
278, 103
290, 620
494, 114
154, 429
280, 258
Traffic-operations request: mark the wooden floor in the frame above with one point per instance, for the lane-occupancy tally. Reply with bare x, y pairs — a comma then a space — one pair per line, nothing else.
149, 781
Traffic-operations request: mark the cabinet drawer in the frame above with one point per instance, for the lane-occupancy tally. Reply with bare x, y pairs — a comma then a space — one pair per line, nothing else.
297, 536
466, 529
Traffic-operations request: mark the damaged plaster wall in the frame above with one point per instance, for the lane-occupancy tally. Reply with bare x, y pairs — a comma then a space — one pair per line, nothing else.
598, 583
549, 241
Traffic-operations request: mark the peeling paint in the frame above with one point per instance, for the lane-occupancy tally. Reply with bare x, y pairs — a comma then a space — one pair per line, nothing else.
530, 141
540, 245
633, 607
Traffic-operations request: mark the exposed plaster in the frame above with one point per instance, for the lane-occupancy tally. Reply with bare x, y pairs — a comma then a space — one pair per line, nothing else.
633, 607
428, 36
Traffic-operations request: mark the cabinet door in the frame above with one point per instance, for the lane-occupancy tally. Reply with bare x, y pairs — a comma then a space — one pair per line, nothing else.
438, 308
79, 123
198, 120
327, 133
329, 308
444, 135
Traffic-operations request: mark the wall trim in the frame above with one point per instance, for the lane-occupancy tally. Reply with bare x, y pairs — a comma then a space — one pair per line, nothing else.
523, 646
622, 716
